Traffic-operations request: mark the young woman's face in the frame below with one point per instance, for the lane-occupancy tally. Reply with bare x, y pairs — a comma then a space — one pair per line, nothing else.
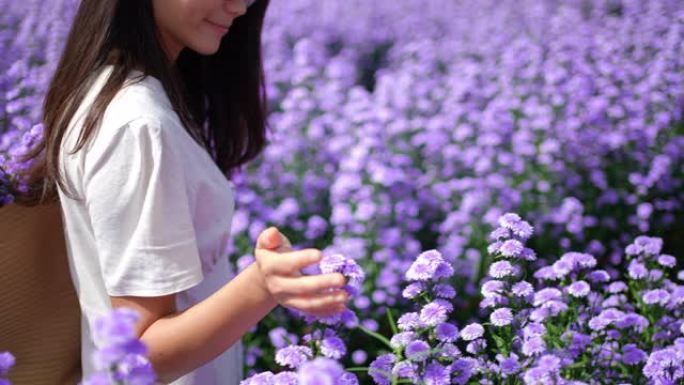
196, 24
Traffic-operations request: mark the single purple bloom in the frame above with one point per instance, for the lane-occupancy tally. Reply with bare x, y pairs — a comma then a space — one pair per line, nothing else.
320, 371
417, 350
546, 295
501, 317
436, 374
293, 356
433, 314
380, 369
472, 331
501, 269
522, 289
579, 289
446, 332
511, 248
632, 355
333, 347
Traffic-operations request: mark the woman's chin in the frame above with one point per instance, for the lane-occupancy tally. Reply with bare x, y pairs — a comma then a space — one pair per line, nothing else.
207, 48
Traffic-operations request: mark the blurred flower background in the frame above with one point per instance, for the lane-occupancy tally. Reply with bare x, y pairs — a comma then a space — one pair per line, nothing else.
403, 126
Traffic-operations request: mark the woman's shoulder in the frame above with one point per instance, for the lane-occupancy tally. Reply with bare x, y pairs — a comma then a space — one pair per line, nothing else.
140, 98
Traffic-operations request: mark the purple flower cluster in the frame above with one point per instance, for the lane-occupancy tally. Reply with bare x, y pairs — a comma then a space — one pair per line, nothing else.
391, 143
423, 349
32, 34
120, 355
314, 359
575, 324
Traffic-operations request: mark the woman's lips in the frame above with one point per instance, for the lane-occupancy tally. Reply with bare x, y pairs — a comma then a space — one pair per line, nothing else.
220, 29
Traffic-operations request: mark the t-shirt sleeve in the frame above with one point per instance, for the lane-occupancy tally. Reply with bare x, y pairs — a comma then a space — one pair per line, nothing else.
136, 196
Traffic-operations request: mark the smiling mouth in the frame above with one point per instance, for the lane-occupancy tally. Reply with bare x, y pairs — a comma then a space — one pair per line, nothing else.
222, 29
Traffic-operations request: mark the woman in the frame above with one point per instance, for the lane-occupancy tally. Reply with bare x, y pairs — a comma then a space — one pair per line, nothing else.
152, 104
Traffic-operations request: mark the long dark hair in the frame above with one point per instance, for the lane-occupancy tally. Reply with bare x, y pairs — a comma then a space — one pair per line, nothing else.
220, 98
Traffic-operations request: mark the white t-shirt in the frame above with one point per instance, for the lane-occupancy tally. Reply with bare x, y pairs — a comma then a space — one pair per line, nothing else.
155, 218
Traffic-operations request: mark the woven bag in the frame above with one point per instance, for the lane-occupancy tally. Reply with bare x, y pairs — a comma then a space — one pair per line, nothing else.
39, 311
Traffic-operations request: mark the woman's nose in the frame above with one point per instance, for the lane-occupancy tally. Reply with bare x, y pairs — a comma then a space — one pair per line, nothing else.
236, 7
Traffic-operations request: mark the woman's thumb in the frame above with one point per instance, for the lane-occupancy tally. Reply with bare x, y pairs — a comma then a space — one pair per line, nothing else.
269, 239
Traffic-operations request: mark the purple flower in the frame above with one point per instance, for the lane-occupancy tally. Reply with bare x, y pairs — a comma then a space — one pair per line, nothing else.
637, 270
409, 321
477, 346
472, 331
285, 378
511, 248
598, 323
119, 352
617, 287
664, 366
501, 269
533, 346
413, 289
666, 260
444, 290
337, 263
579, 289
280, 337
417, 350
508, 365
293, 356
118, 327
433, 314
380, 369
501, 317
509, 220
500, 233
650, 246
492, 287
598, 276
631, 355
406, 369
561, 268
544, 372
516, 225
462, 370
425, 266
546, 295
546, 273
522, 289
7, 361
402, 339
446, 332
333, 347
436, 374
320, 371
656, 297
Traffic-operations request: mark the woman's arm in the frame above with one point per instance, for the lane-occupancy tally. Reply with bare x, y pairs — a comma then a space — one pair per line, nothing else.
179, 343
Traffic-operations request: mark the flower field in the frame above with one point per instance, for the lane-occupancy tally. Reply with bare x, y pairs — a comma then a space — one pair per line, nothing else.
405, 135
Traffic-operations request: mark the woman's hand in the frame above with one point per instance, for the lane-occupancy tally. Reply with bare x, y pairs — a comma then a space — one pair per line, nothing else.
319, 295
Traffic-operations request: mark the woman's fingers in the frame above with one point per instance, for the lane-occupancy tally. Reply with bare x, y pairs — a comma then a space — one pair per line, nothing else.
289, 263
306, 285
318, 303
